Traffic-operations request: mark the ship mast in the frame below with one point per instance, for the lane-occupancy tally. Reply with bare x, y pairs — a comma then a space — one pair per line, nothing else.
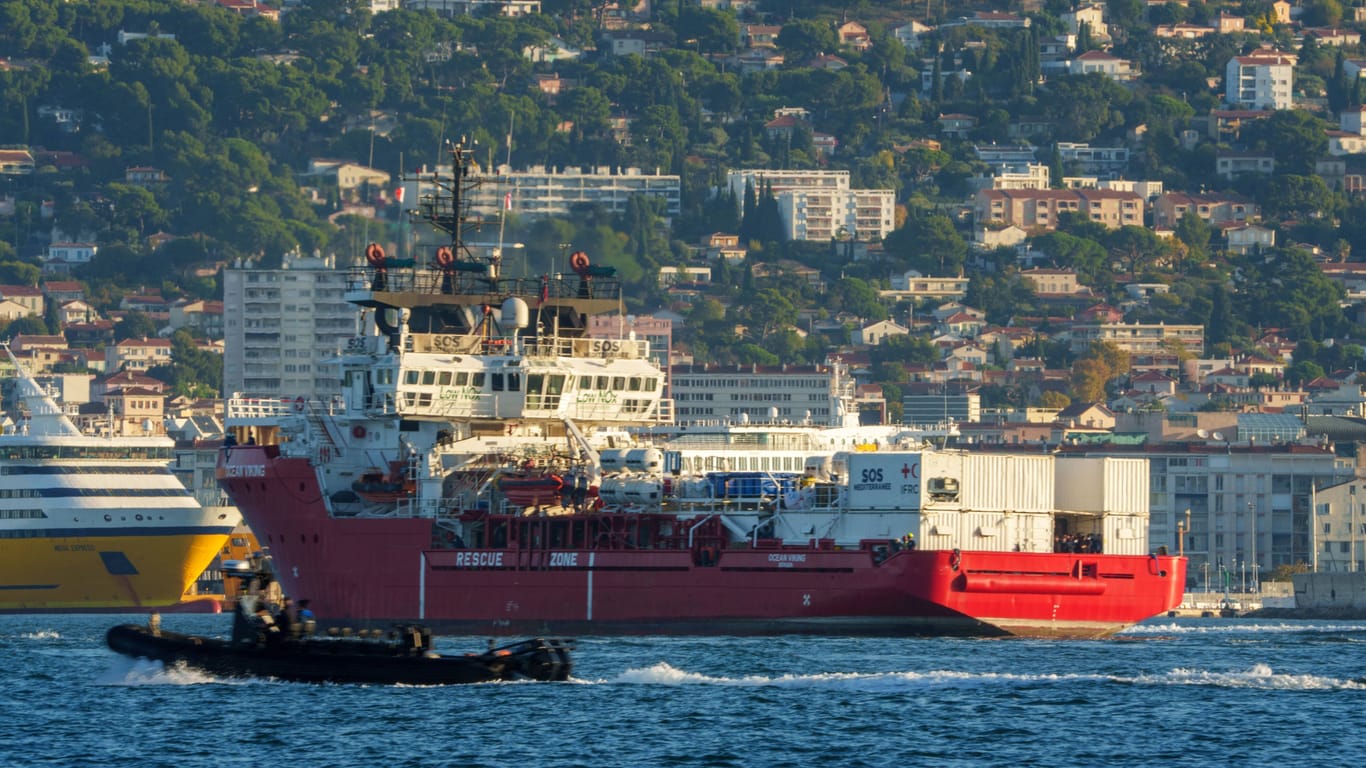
446, 208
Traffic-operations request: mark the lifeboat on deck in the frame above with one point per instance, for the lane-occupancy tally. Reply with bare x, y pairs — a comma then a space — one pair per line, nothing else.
384, 488
532, 490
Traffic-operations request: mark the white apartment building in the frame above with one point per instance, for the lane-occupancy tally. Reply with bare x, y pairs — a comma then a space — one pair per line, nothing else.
781, 181
448, 8
1024, 176
1104, 162
789, 394
1138, 338
541, 192
860, 214
1260, 80
282, 325
819, 205
1338, 528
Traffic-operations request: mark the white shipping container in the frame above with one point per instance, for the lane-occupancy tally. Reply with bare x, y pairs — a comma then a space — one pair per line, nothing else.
1128, 489
1008, 482
1030, 532
885, 481
939, 530
1125, 534
1102, 484
990, 481
983, 531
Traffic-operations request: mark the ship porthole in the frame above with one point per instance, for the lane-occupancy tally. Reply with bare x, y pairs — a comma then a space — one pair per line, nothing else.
109, 518
138, 518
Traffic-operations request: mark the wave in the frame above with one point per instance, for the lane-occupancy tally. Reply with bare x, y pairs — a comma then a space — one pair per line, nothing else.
1235, 626
42, 634
1260, 676
132, 672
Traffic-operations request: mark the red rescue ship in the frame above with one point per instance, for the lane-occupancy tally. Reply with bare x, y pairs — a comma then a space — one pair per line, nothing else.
519, 500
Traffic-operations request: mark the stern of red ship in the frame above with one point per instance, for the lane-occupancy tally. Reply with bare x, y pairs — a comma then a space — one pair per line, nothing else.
1064, 595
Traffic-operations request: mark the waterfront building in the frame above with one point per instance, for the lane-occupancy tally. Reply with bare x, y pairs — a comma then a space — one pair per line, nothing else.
820, 205
282, 325
1338, 529
821, 395
540, 192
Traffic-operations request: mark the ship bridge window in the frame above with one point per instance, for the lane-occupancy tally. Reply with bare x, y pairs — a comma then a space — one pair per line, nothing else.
462, 379
618, 383
424, 399
535, 386
651, 384
410, 377
429, 377
554, 390
444, 378
477, 380
634, 384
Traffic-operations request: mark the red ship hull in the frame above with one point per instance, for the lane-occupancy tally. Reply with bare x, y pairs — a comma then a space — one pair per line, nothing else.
376, 571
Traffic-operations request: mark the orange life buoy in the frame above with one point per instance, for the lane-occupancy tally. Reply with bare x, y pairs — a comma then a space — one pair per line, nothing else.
358, 431
444, 257
374, 253
578, 260
299, 404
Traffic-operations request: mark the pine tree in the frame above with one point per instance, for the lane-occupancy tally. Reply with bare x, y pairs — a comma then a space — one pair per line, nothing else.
749, 216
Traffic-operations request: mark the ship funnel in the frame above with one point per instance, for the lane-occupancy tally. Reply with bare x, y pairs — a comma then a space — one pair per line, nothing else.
515, 313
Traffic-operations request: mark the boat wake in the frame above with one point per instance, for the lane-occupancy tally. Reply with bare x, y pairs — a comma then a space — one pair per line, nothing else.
1260, 676
133, 672
42, 634
1234, 627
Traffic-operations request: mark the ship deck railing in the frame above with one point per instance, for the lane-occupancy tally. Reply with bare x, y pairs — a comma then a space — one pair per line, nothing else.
548, 408
259, 407
437, 282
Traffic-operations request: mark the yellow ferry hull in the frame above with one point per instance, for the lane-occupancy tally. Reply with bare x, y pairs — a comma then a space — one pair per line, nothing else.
104, 572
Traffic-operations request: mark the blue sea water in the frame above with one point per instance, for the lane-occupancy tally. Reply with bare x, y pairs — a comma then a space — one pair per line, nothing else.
1188, 692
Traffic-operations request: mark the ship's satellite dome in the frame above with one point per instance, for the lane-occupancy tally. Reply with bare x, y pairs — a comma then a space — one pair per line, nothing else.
515, 313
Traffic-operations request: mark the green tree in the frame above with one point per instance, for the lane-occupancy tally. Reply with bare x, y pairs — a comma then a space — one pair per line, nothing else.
853, 295
1137, 247
1284, 287
929, 243
802, 39
766, 311
135, 325
1294, 137
1195, 232
192, 372
17, 272
1296, 197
